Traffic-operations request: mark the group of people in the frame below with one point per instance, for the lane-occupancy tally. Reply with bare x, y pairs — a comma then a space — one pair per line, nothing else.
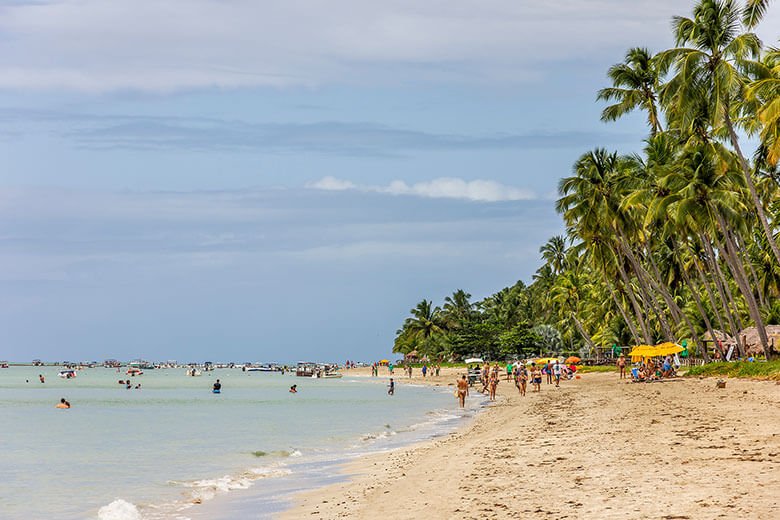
128, 384
522, 375
653, 370
425, 370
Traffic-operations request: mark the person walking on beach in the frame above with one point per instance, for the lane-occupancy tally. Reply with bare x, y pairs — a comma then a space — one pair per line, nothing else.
424, 370
621, 363
522, 379
463, 391
548, 372
493, 384
391, 387
536, 377
557, 373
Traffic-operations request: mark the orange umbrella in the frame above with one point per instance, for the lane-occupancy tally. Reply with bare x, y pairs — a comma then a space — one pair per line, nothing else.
572, 359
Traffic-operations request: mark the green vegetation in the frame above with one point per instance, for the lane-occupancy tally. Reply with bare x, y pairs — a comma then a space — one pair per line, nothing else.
769, 370
669, 244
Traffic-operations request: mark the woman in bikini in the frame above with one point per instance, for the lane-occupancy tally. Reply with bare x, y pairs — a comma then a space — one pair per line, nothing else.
536, 375
463, 391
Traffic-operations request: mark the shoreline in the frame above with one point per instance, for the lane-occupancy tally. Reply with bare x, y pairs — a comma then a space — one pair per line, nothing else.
681, 449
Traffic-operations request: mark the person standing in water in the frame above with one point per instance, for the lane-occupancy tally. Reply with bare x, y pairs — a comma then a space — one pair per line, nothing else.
463, 391
217, 387
63, 404
294, 389
41, 378
391, 387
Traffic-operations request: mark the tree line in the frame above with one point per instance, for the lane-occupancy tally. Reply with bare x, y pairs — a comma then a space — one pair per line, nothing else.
676, 242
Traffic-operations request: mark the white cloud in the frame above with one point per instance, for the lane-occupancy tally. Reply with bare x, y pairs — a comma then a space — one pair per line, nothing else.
441, 188
331, 184
156, 45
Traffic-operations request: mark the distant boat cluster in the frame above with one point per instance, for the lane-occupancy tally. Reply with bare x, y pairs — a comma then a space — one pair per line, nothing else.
138, 366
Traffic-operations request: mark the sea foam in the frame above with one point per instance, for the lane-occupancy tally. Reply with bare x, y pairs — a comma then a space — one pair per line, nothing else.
119, 510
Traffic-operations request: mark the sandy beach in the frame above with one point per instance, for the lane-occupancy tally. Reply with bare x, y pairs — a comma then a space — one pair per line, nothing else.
593, 448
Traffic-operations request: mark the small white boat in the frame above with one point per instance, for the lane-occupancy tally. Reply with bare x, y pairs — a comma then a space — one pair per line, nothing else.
67, 374
133, 371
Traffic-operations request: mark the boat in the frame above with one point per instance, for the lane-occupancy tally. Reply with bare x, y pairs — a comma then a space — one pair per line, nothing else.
134, 371
3, 364
67, 374
306, 369
37, 363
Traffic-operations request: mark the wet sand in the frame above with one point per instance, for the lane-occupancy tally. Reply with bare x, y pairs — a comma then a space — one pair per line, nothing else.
594, 448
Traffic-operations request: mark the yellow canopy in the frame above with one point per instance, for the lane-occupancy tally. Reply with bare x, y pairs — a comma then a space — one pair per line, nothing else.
668, 348
642, 351
647, 351
383, 361
544, 361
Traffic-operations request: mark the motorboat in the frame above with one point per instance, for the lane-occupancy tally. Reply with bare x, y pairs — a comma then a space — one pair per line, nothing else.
67, 374
134, 371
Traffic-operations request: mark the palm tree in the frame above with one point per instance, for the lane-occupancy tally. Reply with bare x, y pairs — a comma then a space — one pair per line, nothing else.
554, 253
710, 70
458, 309
635, 86
765, 91
753, 12
425, 320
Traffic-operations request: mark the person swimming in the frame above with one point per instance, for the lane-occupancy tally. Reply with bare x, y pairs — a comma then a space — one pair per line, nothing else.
63, 404
294, 389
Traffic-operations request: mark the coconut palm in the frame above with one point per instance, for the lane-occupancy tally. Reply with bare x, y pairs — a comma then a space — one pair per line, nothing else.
712, 52
635, 84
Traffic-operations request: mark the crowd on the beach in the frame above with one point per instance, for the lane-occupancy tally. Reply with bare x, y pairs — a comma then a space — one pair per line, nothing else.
648, 370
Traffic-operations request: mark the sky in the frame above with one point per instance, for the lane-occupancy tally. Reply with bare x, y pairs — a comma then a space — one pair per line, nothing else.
272, 181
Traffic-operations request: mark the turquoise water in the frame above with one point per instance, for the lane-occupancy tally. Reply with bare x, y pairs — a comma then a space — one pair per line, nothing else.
151, 453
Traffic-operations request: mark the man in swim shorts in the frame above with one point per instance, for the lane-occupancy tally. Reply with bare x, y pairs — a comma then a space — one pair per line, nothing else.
621, 363
217, 387
557, 373
391, 387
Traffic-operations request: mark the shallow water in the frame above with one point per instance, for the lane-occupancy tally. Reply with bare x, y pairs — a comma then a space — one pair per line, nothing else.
173, 442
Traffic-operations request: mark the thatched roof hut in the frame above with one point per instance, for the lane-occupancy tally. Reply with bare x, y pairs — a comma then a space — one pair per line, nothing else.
749, 338
720, 336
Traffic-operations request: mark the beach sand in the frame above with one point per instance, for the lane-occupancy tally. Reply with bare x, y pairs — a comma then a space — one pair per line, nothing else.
594, 448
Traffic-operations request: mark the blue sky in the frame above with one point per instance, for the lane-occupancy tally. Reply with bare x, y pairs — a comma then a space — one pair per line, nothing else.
255, 180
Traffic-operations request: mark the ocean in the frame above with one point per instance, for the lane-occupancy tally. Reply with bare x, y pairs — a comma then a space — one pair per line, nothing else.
174, 450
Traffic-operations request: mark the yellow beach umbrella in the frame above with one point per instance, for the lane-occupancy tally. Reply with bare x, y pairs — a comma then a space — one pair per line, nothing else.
668, 348
642, 351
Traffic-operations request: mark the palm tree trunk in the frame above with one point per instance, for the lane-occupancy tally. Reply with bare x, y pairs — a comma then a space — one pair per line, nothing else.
746, 260
643, 285
702, 312
622, 311
732, 312
713, 302
632, 298
740, 277
751, 186
584, 334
